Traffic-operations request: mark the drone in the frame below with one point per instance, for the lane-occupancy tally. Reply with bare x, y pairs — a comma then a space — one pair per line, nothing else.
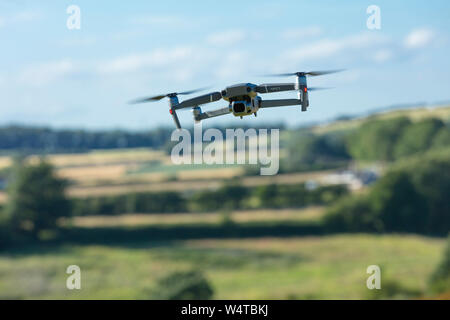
243, 99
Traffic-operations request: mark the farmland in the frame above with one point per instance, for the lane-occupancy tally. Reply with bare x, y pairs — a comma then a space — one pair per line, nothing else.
251, 236
120, 171
331, 267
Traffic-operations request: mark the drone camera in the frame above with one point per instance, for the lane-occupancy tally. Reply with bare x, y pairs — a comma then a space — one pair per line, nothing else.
238, 107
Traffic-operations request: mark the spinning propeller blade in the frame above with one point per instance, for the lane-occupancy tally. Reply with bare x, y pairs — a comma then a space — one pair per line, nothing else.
159, 97
318, 88
310, 73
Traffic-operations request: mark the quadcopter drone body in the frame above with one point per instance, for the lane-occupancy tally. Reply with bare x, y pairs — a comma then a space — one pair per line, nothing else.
243, 99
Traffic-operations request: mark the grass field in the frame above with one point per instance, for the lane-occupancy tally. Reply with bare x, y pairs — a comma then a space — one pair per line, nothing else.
331, 267
254, 254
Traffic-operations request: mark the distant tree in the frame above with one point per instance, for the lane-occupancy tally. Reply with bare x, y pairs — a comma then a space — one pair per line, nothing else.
431, 178
183, 285
352, 214
376, 139
442, 138
440, 279
230, 196
267, 195
36, 199
398, 205
5, 230
307, 150
417, 137
411, 197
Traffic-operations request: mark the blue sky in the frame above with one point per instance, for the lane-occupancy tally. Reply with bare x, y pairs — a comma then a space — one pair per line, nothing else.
50, 75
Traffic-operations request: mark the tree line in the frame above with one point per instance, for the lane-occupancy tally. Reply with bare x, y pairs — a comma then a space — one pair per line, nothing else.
36, 139
374, 140
413, 196
228, 197
45, 139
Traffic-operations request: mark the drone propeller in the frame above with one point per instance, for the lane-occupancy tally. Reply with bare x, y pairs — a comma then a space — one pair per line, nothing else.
318, 88
310, 73
159, 97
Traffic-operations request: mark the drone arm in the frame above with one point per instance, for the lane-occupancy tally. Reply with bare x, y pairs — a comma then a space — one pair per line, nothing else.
212, 114
173, 113
275, 87
206, 98
282, 103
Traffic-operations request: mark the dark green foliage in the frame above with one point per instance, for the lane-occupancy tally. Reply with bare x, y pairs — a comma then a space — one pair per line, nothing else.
183, 285
376, 139
296, 195
409, 198
155, 202
442, 138
396, 138
118, 235
326, 194
397, 205
34, 139
352, 214
440, 279
417, 137
431, 178
36, 199
267, 195
229, 197
307, 151
5, 231
41, 139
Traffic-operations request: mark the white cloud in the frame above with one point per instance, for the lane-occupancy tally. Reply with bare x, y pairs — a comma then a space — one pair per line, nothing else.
45, 73
231, 65
419, 38
301, 33
327, 47
383, 55
156, 58
20, 17
79, 41
226, 38
156, 20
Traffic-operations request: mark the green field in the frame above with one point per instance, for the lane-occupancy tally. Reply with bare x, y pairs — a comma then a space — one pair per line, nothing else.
246, 248
330, 267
